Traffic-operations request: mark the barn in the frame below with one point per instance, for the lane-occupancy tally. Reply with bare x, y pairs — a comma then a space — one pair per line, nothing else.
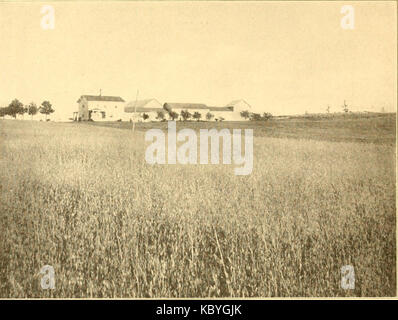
231, 111
135, 110
190, 107
221, 113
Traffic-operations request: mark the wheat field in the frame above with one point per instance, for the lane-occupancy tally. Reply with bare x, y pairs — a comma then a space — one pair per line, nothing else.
82, 199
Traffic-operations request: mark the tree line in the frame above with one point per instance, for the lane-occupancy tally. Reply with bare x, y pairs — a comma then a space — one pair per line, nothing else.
186, 115
255, 116
16, 107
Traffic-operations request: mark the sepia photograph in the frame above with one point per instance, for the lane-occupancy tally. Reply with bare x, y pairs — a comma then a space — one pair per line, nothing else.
198, 150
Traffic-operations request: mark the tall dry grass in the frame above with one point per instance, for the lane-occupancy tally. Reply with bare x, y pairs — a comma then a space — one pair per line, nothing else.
82, 199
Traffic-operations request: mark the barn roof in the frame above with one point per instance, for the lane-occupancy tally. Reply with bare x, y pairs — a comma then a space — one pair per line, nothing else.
184, 106
139, 106
131, 110
235, 102
228, 108
100, 98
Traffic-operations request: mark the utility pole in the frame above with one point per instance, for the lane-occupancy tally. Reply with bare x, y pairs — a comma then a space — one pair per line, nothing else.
135, 110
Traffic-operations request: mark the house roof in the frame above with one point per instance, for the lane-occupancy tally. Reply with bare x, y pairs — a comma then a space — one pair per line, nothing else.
139, 106
100, 98
184, 106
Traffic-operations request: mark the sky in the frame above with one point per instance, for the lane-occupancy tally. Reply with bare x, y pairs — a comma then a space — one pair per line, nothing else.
281, 57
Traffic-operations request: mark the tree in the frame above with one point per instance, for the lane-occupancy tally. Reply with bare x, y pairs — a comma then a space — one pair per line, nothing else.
22, 111
255, 117
46, 108
160, 115
185, 114
245, 114
32, 109
209, 116
14, 108
3, 112
197, 116
267, 116
345, 107
328, 109
173, 115
145, 116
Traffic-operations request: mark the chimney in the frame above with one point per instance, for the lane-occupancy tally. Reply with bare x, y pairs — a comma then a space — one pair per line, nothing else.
100, 92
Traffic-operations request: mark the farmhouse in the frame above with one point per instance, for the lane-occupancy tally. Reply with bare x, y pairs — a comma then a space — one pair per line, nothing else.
99, 108
135, 110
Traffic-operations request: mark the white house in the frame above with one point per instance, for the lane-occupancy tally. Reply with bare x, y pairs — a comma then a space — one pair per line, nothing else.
99, 108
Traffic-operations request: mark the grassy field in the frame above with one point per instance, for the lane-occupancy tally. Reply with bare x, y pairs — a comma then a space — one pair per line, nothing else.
352, 127
81, 198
